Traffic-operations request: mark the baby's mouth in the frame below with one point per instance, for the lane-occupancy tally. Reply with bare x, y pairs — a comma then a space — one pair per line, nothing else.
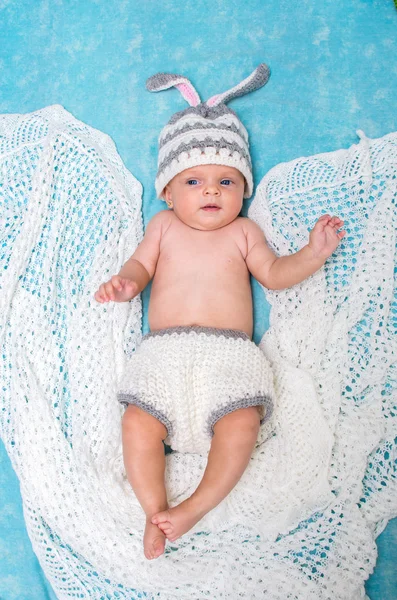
211, 207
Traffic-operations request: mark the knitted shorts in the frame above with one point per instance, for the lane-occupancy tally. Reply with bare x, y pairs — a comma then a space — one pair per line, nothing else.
190, 377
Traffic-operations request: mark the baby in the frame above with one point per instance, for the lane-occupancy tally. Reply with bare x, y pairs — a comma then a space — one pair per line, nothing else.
197, 380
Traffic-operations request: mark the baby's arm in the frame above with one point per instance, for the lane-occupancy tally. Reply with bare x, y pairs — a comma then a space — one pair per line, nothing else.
139, 268
277, 273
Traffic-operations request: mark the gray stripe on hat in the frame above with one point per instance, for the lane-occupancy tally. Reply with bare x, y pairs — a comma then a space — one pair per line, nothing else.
207, 142
193, 126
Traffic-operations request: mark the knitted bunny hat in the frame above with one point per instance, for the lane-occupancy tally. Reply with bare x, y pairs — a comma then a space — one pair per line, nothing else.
206, 132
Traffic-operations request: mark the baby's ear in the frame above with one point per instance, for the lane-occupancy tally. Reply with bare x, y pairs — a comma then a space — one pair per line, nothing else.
167, 196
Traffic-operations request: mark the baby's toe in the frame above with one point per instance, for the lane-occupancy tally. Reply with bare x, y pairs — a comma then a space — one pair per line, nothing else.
148, 553
153, 541
158, 547
155, 549
160, 517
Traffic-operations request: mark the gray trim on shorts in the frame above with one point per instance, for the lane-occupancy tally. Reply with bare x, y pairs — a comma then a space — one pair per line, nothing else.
265, 401
229, 333
131, 399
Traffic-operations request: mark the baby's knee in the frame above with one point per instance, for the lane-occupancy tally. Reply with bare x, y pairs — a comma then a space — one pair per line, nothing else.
138, 422
241, 421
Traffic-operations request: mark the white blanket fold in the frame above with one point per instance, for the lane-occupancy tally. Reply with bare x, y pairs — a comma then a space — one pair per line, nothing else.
320, 486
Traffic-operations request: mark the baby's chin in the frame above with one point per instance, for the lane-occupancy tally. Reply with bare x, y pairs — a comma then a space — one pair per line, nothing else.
211, 226
206, 222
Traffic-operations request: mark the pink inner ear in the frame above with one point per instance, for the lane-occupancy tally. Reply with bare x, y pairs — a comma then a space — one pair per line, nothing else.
212, 100
189, 93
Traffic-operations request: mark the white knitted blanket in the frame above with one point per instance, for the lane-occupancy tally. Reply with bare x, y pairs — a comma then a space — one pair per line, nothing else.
302, 521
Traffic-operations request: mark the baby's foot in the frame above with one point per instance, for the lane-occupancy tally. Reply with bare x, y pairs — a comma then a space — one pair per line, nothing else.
153, 541
176, 521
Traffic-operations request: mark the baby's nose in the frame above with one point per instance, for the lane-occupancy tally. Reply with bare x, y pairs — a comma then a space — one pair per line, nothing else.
212, 189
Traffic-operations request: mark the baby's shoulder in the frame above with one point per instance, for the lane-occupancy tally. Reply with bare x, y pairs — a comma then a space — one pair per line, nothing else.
161, 217
248, 233
245, 225
160, 221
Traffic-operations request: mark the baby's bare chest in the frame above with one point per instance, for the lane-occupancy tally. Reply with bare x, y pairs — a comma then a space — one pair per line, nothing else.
201, 278
201, 254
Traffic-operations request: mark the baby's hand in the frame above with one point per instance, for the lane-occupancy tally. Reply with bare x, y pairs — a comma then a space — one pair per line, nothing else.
324, 238
118, 289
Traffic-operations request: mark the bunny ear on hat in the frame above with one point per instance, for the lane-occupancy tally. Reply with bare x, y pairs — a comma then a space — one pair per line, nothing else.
256, 80
163, 81
205, 133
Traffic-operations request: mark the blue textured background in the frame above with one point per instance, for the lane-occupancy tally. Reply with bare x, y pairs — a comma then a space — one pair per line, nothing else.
334, 70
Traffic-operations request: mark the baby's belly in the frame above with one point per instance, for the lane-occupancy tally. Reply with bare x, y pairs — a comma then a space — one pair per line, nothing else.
184, 307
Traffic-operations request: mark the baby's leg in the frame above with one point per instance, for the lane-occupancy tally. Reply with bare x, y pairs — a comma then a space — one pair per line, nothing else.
144, 460
234, 439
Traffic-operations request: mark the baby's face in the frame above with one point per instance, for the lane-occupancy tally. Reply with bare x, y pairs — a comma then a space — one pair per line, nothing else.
192, 193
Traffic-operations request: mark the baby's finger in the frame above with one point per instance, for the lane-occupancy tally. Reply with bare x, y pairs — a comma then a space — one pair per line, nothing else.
99, 298
100, 294
130, 284
117, 282
109, 290
321, 223
335, 225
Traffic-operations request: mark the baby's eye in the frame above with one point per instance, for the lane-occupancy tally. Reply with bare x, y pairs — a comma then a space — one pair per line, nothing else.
191, 180
227, 180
